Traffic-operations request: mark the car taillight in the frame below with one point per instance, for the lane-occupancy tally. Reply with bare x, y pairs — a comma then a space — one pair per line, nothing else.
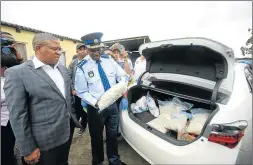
228, 134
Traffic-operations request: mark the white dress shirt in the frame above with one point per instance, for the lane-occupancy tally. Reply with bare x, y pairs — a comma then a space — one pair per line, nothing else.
4, 110
53, 73
122, 64
88, 84
139, 67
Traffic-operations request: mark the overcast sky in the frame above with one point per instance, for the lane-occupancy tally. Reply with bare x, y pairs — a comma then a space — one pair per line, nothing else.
226, 22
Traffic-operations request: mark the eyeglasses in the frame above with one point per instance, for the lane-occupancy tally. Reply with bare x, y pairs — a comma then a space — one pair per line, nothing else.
58, 49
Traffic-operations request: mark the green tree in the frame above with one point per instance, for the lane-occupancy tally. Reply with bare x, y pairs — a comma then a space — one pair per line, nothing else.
247, 50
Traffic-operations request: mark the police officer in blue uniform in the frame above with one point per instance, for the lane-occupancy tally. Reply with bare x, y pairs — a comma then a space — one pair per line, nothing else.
95, 74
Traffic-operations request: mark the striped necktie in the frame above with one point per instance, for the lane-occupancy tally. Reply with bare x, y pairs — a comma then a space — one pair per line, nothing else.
103, 77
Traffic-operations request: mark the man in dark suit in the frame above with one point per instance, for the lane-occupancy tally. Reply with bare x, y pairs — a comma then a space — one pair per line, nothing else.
39, 100
81, 51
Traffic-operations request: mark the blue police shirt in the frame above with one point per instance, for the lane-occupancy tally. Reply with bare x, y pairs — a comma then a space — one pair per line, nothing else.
88, 84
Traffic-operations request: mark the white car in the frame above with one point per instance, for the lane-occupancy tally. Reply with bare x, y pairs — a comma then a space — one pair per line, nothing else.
203, 72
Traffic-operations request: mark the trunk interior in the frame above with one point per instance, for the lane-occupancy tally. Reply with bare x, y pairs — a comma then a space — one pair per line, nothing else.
142, 118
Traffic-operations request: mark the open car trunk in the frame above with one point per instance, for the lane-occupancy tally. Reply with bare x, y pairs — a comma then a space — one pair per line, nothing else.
199, 58
143, 118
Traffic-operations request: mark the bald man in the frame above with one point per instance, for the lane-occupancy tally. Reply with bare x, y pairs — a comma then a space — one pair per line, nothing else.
39, 100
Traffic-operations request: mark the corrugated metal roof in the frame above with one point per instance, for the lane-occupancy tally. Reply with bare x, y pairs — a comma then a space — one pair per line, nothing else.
131, 44
128, 39
19, 27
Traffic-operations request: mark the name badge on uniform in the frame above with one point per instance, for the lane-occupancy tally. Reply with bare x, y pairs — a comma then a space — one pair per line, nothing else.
91, 74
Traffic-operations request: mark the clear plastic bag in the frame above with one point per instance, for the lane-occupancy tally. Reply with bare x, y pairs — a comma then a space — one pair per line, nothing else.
174, 112
153, 109
140, 106
183, 106
167, 107
175, 108
195, 111
176, 124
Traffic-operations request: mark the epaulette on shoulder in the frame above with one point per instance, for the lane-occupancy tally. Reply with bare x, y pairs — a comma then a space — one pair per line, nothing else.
81, 63
105, 56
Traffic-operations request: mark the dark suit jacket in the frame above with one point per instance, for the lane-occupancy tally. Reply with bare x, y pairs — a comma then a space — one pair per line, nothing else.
39, 113
72, 71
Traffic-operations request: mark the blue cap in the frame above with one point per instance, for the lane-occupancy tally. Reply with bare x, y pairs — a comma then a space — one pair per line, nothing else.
93, 40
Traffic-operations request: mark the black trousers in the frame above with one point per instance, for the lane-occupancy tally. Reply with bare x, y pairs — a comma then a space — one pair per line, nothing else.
96, 122
55, 156
118, 104
80, 113
7, 145
72, 130
58, 155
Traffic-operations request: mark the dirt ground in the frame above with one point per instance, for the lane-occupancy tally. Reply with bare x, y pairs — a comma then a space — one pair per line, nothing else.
80, 152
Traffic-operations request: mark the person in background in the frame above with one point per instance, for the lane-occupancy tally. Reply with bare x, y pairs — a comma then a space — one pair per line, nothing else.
139, 67
96, 74
81, 51
110, 53
121, 56
9, 58
74, 57
40, 103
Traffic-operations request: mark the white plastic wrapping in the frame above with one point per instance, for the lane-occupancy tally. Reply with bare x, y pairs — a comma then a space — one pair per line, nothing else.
167, 107
159, 124
145, 103
169, 118
198, 120
175, 123
152, 106
140, 106
173, 112
111, 95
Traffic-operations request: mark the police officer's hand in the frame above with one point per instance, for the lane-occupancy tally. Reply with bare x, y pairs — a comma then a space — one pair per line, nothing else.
124, 55
124, 103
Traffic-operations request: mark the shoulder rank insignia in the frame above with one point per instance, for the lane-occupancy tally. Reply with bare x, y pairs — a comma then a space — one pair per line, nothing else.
81, 63
105, 56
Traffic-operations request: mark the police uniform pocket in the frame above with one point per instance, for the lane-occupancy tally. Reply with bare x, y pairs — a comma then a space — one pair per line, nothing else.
92, 77
111, 77
110, 74
93, 80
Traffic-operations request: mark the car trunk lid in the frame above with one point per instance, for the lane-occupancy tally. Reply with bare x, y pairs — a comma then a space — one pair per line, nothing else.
200, 58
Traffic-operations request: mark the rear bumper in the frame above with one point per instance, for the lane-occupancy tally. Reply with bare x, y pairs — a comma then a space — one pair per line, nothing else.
244, 157
158, 151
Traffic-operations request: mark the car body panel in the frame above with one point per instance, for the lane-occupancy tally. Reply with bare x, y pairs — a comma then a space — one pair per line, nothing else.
225, 51
159, 151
